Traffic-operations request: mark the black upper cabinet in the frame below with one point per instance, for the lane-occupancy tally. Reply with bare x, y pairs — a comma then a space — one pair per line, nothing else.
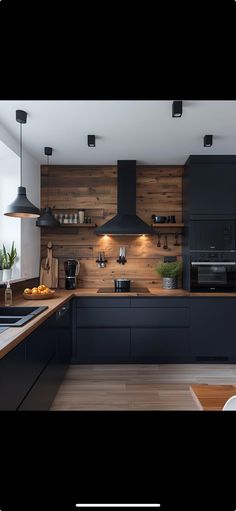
209, 187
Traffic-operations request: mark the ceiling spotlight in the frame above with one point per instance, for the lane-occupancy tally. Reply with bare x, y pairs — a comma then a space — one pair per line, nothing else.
208, 140
177, 108
91, 140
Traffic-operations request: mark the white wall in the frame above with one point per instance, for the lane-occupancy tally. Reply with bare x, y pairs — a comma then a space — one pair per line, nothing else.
30, 234
10, 230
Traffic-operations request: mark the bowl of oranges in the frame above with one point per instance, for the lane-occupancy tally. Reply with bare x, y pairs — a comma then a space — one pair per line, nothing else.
41, 292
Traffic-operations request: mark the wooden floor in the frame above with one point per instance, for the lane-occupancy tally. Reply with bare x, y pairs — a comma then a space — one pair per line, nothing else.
137, 387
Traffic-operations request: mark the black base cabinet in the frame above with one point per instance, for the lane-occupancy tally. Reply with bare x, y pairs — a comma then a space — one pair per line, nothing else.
131, 330
156, 345
213, 333
32, 372
103, 345
13, 379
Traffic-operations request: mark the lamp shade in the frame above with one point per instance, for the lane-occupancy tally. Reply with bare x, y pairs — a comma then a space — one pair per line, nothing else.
21, 207
47, 219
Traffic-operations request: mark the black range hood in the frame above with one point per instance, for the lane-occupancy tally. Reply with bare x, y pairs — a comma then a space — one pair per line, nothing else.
126, 222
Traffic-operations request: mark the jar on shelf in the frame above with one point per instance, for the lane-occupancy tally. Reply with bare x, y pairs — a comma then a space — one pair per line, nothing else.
71, 218
60, 218
81, 216
66, 220
75, 219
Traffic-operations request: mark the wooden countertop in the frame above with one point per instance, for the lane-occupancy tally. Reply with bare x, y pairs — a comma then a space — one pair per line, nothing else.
14, 335
212, 397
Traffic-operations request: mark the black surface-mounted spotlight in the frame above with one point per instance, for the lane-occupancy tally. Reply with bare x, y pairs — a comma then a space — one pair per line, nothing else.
208, 140
177, 108
91, 140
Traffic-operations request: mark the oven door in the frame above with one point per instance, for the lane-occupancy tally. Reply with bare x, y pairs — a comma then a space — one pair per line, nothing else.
213, 276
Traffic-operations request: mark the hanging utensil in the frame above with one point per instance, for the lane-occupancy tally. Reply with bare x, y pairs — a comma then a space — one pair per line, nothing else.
176, 239
165, 246
159, 240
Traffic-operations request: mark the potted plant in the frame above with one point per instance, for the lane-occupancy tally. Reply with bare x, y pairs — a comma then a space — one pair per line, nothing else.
1, 264
169, 272
8, 261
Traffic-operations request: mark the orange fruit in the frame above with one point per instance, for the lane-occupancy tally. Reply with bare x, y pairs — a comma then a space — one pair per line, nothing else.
34, 291
27, 291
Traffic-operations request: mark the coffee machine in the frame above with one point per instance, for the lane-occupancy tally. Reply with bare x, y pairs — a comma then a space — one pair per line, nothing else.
71, 267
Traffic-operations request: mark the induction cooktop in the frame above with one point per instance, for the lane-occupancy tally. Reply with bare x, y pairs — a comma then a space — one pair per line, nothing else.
132, 290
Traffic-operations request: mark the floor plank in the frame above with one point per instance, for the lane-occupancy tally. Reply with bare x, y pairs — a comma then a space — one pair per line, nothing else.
137, 387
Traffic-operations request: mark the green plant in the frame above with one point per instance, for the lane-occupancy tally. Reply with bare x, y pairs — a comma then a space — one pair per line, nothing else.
169, 270
9, 257
1, 259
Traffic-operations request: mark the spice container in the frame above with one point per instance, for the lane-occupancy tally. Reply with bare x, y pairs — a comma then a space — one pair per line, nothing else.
81, 216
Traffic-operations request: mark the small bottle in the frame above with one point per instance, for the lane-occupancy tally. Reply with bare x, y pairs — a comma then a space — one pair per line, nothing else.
71, 218
66, 219
75, 218
8, 295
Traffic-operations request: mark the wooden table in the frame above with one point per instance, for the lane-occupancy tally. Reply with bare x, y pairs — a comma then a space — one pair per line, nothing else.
212, 397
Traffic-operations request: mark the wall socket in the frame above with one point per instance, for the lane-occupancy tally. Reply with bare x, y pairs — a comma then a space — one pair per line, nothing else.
169, 259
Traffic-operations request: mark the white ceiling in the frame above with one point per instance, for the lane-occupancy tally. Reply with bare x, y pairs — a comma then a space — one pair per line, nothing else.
140, 130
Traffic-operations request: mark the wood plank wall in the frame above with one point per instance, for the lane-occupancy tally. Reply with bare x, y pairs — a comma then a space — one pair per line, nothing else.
159, 191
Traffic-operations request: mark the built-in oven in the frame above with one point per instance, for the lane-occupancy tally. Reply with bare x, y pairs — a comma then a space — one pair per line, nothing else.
213, 271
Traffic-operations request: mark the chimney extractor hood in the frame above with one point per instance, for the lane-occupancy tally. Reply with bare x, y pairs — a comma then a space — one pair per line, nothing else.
126, 222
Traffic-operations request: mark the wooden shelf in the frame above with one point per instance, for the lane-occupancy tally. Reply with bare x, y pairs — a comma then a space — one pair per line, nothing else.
78, 226
168, 226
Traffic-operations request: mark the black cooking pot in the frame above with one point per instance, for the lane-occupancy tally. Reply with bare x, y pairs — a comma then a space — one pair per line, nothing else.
122, 284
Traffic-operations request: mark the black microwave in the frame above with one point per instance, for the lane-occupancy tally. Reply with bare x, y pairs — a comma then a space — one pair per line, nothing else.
212, 235
213, 272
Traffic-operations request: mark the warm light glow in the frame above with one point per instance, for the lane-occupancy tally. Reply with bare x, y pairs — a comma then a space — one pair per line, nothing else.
105, 236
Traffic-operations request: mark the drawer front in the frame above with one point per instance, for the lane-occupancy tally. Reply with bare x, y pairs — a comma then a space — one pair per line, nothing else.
160, 343
39, 349
160, 302
103, 345
154, 317
103, 302
160, 317
44, 390
103, 317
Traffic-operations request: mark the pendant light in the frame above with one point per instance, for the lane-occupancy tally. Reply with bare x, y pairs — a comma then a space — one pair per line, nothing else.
21, 206
47, 219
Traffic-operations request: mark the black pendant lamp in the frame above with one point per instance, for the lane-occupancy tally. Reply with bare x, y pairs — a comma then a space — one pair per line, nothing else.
21, 207
47, 219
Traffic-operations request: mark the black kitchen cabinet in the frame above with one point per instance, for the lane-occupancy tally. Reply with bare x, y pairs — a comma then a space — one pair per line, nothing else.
31, 373
102, 345
212, 329
160, 345
14, 382
41, 395
141, 330
209, 187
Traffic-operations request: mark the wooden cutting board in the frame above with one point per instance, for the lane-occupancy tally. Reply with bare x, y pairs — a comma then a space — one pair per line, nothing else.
49, 269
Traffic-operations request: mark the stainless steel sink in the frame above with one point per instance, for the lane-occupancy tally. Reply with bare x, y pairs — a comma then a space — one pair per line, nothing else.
18, 316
